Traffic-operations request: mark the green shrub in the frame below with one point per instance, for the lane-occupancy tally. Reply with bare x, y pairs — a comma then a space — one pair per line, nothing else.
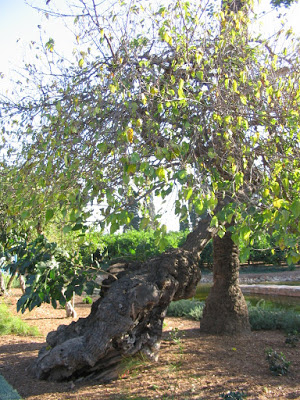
261, 317
12, 325
278, 364
186, 308
133, 245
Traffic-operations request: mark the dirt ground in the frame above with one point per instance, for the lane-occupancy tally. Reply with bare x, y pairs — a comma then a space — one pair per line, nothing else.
192, 365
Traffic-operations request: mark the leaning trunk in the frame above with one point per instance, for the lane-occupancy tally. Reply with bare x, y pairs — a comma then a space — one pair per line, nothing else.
225, 310
128, 316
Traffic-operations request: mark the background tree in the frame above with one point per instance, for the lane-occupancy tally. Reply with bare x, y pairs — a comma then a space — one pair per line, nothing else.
160, 97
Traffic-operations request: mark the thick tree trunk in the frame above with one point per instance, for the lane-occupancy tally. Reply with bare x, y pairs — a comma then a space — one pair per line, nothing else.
128, 316
225, 310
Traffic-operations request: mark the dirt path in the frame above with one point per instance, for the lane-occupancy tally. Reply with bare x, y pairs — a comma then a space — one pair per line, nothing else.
191, 366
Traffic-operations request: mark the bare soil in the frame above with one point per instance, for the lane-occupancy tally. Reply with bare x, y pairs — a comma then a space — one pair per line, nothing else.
192, 365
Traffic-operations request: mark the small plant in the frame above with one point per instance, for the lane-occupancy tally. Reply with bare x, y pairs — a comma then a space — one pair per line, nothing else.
292, 338
278, 364
12, 325
131, 365
233, 396
175, 335
87, 300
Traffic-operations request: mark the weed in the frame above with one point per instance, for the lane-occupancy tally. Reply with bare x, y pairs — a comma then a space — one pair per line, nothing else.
87, 300
233, 396
278, 364
292, 338
132, 364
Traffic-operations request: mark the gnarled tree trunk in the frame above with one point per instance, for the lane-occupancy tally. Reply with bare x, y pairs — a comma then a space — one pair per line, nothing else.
128, 316
225, 310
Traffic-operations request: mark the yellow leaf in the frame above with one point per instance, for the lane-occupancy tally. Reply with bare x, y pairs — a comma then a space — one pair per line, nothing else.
129, 135
278, 203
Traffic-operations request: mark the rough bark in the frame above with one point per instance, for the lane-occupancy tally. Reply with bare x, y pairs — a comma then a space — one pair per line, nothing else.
225, 310
22, 283
128, 316
2, 285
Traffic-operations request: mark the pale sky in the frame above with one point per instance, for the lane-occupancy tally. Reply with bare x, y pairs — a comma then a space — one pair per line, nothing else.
19, 25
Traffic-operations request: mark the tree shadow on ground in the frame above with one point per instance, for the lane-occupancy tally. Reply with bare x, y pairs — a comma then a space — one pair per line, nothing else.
192, 366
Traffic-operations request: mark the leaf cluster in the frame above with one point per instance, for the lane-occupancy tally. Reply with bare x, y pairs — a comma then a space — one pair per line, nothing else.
52, 274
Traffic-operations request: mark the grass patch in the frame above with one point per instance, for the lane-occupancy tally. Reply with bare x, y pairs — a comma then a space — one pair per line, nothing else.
12, 325
261, 316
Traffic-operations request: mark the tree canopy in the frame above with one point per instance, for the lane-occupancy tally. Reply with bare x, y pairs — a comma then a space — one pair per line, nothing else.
181, 95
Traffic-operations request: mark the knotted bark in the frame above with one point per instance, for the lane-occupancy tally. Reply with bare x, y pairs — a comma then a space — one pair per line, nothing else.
128, 316
225, 310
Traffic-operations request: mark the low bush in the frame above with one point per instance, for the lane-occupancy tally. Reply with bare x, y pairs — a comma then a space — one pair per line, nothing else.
278, 364
12, 325
186, 308
261, 317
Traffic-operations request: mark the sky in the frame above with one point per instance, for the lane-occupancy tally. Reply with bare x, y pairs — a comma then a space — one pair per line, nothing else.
19, 24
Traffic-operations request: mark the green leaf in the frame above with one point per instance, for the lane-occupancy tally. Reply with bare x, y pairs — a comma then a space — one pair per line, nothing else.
144, 223
114, 227
214, 221
295, 208
25, 214
67, 228
244, 254
49, 214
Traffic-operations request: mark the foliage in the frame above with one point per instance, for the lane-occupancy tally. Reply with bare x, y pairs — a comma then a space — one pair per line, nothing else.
233, 395
186, 308
278, 364
52, 274
136, 245
191, 100
292, 338
206, 257
87, 300
12, 325
261, 317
